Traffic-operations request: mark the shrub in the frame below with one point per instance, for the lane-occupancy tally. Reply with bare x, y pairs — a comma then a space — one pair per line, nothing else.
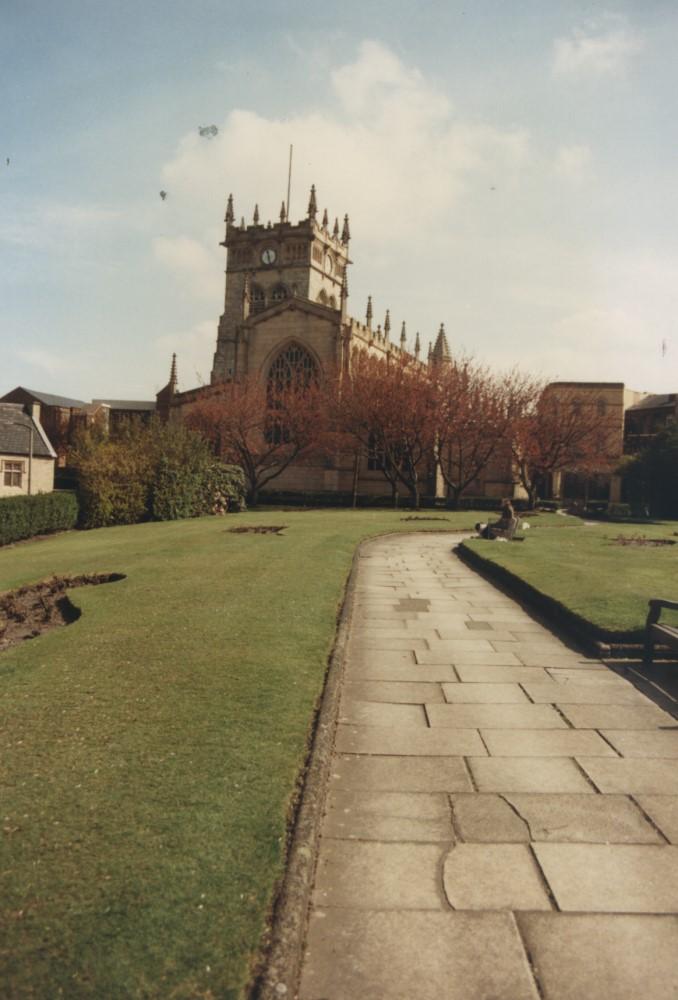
41, 514
157, 471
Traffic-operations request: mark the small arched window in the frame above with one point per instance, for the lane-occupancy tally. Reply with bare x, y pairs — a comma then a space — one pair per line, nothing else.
279, 293
257, 299
322, 297
332, 302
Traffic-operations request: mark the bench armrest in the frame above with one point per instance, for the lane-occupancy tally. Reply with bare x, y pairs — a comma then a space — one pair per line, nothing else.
655, 609
658, 602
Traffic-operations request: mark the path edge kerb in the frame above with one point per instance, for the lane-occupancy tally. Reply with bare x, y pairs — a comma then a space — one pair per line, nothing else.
282, 966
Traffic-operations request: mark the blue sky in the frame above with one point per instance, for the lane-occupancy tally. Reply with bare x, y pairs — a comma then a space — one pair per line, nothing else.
509, 168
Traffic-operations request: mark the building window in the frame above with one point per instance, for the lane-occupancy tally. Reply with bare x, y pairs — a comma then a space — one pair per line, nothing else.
292, 370
332, 302
257, 299
322, 297
13, 473
279, 293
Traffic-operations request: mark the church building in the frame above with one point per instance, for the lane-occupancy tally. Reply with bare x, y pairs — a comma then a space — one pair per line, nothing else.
286, 306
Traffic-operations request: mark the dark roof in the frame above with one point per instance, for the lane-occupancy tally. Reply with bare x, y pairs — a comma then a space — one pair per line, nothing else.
15, 440
128, 404
50, 400
654, 402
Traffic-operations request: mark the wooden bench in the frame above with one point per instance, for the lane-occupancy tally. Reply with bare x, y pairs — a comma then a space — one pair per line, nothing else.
656, 631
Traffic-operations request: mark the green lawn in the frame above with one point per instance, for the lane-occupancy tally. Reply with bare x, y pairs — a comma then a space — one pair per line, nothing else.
583, 568
149, 751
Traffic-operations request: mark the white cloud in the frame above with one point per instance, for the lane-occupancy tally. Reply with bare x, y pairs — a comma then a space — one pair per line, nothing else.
572, 162
602, 48
193, 263
388, 149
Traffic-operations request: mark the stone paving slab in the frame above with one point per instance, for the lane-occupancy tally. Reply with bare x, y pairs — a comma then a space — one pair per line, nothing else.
477, 694
620, 878
488, 819
564, 659
388, 816
495, 716
611, 957
493, 877
545, 743
615, 716
419, 742
591, 819
451, 634
531, 647
643, 742
409, 955
663, 811
401, 774
528, 774
381, 876
406, 692
467, 658
630, 775
404, 643
571, 693
374, 713
407, 671
585, 675
494, 673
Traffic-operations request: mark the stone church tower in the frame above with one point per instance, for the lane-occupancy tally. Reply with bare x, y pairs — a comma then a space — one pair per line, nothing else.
282, 280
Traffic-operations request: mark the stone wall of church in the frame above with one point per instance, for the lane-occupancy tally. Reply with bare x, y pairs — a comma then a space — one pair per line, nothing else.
319, 335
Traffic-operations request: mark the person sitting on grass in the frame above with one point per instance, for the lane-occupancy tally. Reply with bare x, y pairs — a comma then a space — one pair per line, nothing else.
504, 527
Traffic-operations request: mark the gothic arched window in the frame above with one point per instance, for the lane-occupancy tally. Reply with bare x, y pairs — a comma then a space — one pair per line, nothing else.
257, 299
293, 370
322, 297
279, 293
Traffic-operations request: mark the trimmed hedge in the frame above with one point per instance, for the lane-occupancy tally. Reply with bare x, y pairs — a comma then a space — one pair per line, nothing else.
41, 514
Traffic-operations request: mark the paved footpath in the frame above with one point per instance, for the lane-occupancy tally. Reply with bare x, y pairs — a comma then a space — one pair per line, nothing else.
502, 817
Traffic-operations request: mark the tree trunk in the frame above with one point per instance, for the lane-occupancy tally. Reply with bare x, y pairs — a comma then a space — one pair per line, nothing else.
356, 467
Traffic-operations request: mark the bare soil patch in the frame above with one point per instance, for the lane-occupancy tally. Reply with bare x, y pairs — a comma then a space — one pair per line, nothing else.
642, 540
415, 517
29, 611
259, 529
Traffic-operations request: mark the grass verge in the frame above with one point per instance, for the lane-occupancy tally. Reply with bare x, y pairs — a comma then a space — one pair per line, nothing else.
150, 751
600, 585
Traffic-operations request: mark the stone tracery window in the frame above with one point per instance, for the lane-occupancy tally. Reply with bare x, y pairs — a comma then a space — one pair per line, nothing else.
293, 368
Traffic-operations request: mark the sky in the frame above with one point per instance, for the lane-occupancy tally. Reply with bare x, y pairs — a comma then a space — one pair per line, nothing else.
508, 167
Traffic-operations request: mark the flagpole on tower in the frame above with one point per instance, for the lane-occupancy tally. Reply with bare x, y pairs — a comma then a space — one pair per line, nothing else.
289, 185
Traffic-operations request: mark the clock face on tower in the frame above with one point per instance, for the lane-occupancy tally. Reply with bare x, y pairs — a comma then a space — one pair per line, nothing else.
268, 256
